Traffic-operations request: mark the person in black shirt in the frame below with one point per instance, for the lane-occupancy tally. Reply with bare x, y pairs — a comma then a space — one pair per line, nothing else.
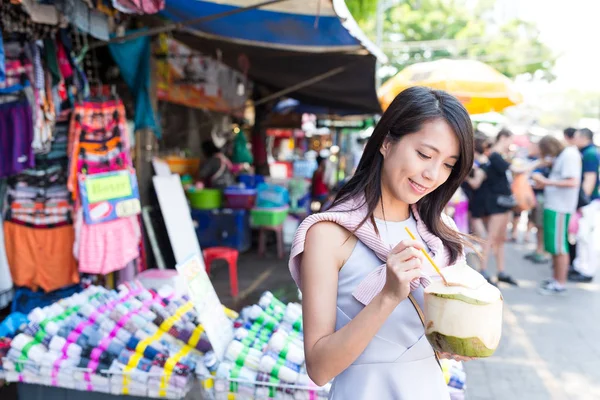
496, 199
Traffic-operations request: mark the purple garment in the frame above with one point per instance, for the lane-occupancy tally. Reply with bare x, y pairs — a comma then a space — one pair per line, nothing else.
16, 135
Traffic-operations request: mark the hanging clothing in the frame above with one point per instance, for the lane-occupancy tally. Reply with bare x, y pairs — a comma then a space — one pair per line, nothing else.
40, 258
16, 136
6, 283
106, 247
87, 19
2, 59
133, 59
97, 134
139, 6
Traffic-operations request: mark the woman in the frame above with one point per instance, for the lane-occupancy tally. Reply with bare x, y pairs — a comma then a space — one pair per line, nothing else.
216, 171
473, 185
363, 324
498, 202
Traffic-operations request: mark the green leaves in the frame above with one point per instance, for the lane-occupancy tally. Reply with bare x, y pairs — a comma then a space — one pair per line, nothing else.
426, 30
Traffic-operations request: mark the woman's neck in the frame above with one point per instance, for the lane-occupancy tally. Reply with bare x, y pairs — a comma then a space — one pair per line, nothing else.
391, 209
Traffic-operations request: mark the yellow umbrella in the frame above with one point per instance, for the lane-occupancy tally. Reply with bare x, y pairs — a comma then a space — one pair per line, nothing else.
478, 86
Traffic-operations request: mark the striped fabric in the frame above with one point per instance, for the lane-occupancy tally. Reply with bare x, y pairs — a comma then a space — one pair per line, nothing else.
349, 215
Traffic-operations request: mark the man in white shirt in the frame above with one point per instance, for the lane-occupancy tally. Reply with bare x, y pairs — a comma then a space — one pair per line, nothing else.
561, 195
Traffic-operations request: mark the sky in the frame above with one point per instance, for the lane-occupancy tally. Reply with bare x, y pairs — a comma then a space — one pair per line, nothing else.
571, 28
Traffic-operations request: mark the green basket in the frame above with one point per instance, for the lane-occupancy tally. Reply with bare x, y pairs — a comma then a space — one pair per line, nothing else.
268, 216
205, 199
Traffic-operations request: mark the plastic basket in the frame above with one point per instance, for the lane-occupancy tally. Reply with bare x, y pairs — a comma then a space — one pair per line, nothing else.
239, 198
233, 388
183, 166
251, 181
205, 199
113, 382
271, 196
268, 216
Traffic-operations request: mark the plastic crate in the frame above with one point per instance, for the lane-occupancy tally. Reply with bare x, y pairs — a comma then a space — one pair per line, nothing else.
239, 198
268, 216
205, 199
251, 181
225, 227
271, 196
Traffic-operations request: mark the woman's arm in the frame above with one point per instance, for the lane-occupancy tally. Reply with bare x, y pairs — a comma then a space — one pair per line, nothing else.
524, 168
328, 352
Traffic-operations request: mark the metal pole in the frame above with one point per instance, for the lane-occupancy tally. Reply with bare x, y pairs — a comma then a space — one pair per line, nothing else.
178, 25
302, 85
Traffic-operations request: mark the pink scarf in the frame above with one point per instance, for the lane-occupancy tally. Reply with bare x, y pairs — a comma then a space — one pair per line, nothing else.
373, 283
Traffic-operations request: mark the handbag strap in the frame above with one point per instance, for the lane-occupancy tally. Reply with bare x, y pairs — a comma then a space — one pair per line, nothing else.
422, 318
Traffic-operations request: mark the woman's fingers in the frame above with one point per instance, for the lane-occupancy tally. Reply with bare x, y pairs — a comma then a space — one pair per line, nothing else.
406, 244
405, 256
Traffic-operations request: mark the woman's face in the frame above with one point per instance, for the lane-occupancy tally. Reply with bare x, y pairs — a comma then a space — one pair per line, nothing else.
419, 163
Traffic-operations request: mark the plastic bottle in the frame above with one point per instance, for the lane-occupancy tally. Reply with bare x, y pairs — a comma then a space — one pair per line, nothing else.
270, 363
243, 356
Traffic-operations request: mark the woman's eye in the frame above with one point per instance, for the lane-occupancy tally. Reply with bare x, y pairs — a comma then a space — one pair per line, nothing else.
423, 156
449, 166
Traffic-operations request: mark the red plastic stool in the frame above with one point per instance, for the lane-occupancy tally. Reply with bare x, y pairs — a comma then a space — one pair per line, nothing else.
230, 256
262, 239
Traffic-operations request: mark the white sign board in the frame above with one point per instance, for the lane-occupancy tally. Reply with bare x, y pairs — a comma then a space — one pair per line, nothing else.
177, 216
217, 326
161, 168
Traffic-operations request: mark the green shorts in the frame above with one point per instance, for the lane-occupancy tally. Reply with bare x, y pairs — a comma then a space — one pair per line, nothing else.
556, 232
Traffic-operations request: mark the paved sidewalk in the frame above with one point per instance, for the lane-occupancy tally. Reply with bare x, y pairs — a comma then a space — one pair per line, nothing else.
550, 346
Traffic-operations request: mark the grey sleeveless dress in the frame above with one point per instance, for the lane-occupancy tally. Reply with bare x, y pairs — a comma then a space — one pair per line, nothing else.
399, 363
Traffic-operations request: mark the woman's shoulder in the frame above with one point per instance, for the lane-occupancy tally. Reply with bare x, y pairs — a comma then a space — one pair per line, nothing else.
327, 236
329, 232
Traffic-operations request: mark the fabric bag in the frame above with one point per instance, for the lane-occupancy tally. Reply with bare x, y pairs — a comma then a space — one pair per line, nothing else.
523, 193
507, 201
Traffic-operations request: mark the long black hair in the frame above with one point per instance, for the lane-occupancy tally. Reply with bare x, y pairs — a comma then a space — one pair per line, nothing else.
405, 115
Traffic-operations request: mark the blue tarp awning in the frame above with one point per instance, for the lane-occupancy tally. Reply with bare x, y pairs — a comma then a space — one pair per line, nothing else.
286, 43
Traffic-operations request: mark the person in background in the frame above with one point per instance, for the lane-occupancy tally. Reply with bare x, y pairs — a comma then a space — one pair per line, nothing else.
561, 194
319, 189
497, 195
569, 137
583, 268
536, 216
216, 169
472, 186
584, 140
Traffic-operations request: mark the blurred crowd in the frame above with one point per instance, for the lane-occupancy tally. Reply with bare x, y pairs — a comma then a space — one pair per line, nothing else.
550, 186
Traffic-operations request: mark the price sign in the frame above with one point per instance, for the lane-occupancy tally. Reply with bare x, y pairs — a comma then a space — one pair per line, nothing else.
109, 196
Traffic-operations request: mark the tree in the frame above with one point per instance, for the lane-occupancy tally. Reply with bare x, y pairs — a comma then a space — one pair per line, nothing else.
426, 30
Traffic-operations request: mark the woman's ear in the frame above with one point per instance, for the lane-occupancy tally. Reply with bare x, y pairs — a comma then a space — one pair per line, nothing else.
385, 147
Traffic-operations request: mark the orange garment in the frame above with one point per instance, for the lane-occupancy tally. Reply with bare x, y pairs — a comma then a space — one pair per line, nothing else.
101, 148
41, 257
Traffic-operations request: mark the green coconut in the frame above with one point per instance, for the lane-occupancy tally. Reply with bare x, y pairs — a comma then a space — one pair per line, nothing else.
467, 347
464, 316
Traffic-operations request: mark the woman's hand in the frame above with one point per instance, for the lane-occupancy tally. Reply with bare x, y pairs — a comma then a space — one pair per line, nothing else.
402, 267
455, 357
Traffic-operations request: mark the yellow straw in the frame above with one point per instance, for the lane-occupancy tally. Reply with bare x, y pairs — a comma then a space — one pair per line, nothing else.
427, 255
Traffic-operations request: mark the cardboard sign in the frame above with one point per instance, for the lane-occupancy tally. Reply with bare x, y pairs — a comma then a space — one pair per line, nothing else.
218, 328
109, 196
